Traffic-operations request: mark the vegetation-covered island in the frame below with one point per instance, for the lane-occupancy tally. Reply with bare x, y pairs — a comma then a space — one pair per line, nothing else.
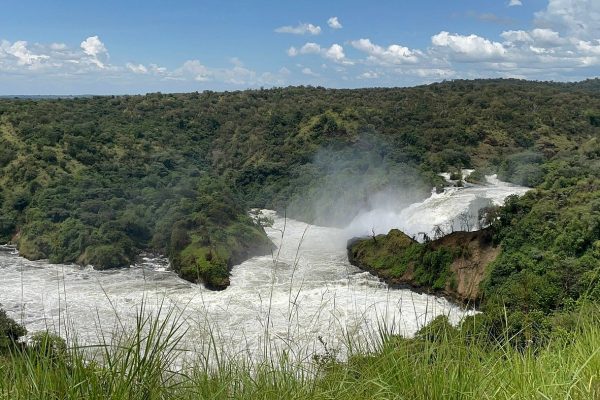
98, 180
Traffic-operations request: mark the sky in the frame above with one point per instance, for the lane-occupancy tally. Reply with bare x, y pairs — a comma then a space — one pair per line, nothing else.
129, 46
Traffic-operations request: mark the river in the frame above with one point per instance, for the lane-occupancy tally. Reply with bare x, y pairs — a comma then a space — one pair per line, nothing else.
304, 299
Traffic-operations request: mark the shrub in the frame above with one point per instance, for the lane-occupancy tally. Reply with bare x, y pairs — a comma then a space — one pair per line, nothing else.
10, 331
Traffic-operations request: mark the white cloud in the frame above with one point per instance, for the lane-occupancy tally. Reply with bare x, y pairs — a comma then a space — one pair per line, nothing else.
300, 29
334, 23
310, 48
21, 53
292, 51
393, 54
57, 62
513, 37
579, 18
137, 68
237, 75
58, 46
334, 53
432, 72
53, 58
309, 72
591, 47
368, 75
196, 70
157, 70
468, 48
560, 45
547, 37
542, 37
513, 3
93, 47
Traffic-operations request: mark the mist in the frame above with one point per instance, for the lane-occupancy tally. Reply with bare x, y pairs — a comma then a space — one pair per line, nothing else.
356, 180
368, 189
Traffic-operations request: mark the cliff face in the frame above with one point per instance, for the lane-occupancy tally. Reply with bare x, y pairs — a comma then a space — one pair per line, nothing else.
453, 265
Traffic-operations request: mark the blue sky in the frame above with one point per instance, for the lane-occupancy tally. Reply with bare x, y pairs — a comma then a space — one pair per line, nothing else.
116, 47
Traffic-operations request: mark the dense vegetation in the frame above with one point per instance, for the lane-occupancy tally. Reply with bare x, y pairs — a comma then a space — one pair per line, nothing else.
441, 362
549, 238
451, 265
96, 180
549, 259
10, 332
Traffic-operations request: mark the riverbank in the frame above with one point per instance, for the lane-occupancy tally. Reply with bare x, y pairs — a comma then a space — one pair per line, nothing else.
440, 363
452, 266
308, 279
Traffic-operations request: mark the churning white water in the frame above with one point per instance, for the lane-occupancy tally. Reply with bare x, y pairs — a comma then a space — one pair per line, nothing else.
454, 209
302, 299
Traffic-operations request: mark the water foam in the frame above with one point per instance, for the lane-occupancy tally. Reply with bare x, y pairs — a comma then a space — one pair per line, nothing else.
304, 295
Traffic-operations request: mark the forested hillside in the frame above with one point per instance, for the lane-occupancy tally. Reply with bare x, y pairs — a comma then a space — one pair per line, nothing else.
97, 180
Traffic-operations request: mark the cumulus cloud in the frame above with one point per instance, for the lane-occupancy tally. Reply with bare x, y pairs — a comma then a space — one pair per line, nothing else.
393, 54
547, 37
58, 46
562, 43
93, 46
368, 75
468, 48
334, 23
137, 68
433, 72
552, 49
196, 70
20, 53
513, 37
513, 3
579, 18
91, 59
157, 70
591, 47
334, 53
236, 75
95, 49
540, 36
300, 29
309, 72
310, 48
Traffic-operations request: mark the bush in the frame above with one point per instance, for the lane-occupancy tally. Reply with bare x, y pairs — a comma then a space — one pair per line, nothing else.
48, 345
10, 332
106, 256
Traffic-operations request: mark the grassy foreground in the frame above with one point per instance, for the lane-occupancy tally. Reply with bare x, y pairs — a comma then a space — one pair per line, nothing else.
441, 362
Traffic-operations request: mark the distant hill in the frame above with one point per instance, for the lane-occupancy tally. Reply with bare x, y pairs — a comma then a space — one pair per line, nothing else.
43, 96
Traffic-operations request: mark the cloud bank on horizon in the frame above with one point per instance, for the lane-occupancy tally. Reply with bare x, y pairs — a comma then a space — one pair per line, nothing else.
561, 42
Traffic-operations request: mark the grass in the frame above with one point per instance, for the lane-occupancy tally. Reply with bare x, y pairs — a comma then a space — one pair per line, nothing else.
440, 363
147, 361
452, 367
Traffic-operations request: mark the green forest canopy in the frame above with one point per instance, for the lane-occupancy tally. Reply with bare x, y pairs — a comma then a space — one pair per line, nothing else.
96, 180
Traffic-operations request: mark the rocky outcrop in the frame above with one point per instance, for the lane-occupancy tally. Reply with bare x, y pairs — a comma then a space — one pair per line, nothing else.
208, 258
453, 266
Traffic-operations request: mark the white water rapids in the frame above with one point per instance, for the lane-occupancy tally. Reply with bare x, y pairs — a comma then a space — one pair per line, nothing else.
308, 296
